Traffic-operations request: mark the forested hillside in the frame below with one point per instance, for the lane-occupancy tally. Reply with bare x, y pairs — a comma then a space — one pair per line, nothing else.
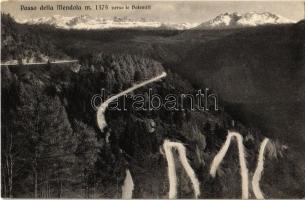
260, 74
53, 147
24, 43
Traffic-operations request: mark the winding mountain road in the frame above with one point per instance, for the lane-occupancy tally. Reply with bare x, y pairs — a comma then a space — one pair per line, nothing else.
40, 63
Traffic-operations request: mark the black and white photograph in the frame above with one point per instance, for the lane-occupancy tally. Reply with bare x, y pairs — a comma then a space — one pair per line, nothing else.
152, 99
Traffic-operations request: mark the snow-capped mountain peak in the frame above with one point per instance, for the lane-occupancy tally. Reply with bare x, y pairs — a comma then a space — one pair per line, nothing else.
88, 22
231, 20
224, 20
253, 19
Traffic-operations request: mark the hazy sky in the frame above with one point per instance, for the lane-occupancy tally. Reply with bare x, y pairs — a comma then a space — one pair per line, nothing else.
162, 11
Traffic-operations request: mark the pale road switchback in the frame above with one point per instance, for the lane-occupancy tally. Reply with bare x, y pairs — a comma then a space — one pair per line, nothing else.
41, 63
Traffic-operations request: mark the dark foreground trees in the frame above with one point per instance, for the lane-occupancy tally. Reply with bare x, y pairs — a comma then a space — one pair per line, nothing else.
40, 149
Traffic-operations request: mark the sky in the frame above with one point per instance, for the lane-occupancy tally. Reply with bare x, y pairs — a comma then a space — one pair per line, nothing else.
170, 11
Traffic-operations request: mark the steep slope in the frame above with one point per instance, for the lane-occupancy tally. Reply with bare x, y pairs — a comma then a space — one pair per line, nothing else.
133, 138
261, 70
22, 43
131, 141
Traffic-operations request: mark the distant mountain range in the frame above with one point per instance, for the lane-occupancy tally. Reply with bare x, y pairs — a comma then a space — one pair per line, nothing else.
225, 20
88, 22
232, 20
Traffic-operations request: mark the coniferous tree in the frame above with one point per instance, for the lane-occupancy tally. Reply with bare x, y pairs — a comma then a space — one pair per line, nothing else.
86, 153
48, 141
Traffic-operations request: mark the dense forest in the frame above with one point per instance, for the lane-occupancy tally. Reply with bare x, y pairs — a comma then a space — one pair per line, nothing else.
52, 147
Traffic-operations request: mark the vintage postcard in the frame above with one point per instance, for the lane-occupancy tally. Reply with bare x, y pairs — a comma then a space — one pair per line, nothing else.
152, 99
